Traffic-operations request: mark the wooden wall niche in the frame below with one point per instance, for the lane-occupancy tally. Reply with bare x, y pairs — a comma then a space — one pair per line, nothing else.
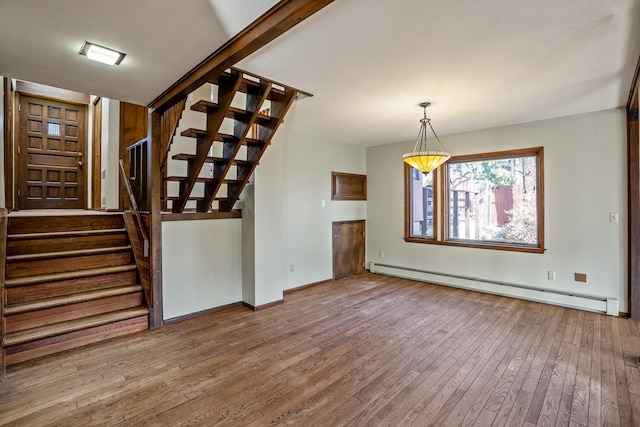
348, 186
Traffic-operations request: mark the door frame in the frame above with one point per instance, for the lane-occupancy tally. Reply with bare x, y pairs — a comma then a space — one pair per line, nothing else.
8, 99
37, 90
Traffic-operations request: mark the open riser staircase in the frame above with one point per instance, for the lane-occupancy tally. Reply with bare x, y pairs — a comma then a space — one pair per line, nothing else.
223, 151
70, 280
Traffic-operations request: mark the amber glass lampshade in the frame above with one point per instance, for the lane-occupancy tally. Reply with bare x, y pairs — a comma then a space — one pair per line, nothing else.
420, 158
426, 161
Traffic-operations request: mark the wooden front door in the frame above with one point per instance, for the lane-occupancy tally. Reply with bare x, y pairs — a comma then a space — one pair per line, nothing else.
348, 248
51, 146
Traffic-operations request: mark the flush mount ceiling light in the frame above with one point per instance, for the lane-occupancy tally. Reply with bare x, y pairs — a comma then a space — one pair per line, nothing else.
101, 54
421, 158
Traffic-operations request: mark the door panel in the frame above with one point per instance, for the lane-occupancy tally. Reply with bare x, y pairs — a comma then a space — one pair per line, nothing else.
50, 154
348, 248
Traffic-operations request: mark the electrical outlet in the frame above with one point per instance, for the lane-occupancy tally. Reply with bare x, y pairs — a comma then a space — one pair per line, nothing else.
613, 217
381, 254
292, 268
551, 275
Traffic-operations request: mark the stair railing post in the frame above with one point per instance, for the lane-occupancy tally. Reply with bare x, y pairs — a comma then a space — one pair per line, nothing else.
154, 194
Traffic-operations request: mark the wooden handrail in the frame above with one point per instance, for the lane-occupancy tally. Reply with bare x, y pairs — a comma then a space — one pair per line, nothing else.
134, 205
134, 145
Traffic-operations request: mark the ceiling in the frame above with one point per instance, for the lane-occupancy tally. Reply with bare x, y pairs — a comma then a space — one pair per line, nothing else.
481, 63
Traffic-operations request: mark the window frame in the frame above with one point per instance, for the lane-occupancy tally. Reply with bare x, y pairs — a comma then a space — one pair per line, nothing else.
408, 185
441, 204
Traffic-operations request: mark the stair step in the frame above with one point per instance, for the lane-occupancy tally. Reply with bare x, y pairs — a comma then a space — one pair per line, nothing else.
71, 299
21, 337
246, 83
222, 137
57, 234
235, 113
196, 198
42, 278
64, 223
209, 159
199, 179
56, 344
65, 254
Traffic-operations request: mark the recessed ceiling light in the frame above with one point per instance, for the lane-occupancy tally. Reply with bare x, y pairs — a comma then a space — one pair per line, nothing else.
102, 54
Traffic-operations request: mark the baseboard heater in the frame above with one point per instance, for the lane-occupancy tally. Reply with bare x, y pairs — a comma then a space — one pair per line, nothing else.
594, 303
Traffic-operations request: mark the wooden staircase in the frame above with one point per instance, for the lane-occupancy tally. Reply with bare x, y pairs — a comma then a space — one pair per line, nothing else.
70, 280
224, 176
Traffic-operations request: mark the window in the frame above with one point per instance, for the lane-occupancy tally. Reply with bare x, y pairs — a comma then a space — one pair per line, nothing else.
491, 200
420, 207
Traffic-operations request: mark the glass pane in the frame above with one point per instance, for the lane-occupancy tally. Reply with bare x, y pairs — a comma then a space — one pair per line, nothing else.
421, 204
493, 200
53, 129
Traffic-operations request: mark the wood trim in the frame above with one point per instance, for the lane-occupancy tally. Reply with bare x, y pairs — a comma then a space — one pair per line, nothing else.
190, 316
348, 186
407, 208
96, 155
4, 219
508, 154
273, 23
8, 99
193, 216
307, 286
155, 228
633, 91
263, 306
440, 230
54, 93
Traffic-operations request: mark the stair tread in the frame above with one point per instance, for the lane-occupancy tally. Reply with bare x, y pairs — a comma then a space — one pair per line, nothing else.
199, 179
76, 274
54, 234
71, 299
194, 198
246, 83
21, 337
64, 254
223, 137
209, 159
204, 106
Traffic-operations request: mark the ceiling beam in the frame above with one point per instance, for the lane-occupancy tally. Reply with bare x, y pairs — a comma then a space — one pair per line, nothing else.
273, 23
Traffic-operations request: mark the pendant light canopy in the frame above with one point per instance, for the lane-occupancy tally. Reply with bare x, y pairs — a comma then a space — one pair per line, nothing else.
421, 158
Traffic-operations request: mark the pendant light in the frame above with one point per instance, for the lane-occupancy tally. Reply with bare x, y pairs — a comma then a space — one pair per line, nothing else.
421, 158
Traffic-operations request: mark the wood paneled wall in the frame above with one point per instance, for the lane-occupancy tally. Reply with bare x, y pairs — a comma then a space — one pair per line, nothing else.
134, 125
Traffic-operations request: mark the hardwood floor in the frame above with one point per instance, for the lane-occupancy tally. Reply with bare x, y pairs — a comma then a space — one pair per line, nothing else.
370, 350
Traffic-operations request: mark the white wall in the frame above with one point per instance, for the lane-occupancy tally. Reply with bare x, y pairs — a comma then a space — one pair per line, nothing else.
308, 163
283, 223
110, 198
584, 180
201, 265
